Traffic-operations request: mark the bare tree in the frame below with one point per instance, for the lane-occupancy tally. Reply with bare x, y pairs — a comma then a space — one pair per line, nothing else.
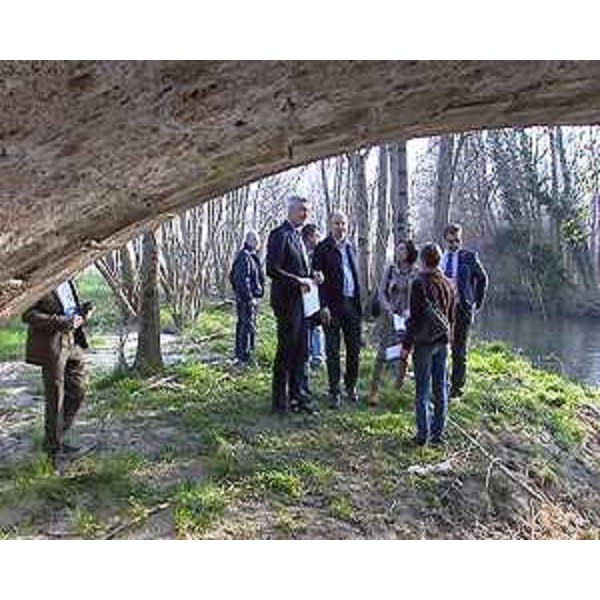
183, 256
382, 231
361, 205
399, 192
448, 155
148, 357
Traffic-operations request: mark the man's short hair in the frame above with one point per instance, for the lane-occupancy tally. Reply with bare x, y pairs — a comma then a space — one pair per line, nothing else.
251, 233
339, 213
309, 230
295, 200
453, 228
431, 255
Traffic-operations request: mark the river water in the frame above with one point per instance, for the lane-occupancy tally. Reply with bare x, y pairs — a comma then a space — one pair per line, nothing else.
570, 346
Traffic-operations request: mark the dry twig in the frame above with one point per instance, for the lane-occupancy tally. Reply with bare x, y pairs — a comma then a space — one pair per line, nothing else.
495, 460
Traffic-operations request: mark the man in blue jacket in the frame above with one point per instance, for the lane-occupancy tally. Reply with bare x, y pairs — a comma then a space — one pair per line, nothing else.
247, 281
466, 273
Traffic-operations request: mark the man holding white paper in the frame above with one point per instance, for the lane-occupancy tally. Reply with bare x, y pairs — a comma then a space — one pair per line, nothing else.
288, 266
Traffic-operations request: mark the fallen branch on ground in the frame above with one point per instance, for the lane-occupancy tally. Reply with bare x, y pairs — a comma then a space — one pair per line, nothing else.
164, 382
122, 527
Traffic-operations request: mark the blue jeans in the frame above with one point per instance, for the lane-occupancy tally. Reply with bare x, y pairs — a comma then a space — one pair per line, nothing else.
431, 370
245, 331
315, 353
315, 343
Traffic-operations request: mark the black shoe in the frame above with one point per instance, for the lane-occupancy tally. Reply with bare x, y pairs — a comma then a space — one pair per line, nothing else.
68, 449
302, 397
455, 393
352, 395
438, 442
239, 363
419, 441
309, 408
335, 400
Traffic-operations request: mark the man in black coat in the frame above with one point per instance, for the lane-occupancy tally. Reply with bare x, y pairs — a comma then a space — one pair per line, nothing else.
247, 281
289, 268
341, 309
466, 273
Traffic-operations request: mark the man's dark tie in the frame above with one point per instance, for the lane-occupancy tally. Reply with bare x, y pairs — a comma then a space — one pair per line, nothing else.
449, 264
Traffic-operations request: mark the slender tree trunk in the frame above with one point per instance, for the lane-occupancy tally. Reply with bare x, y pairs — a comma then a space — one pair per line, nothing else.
399, 192
148, 357
361, 206
326, 194
443, 186
381, 243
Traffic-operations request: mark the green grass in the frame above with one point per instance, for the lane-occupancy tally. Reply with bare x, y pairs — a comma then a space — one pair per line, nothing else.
347, 467
341, 508
507, 391
12, 340
92, 287
197, 507
93, 488
281, 482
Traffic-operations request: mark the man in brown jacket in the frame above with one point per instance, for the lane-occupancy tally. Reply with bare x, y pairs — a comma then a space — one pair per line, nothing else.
429, 331
55, 341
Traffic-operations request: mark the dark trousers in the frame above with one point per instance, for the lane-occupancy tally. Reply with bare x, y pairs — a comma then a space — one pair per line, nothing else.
344, 321
64, 388
290, 357
430, 365
462, 326
245, 330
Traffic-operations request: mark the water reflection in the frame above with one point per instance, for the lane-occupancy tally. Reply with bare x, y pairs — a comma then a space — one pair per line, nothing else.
568, 345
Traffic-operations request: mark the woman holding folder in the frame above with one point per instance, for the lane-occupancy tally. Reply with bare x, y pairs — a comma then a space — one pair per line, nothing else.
392, 297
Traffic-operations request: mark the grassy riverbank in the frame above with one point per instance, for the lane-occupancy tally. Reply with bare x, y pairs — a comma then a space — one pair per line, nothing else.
196, 453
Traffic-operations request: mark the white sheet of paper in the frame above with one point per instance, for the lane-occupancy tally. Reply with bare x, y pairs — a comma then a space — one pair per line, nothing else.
399, 322
393, 352
311, 300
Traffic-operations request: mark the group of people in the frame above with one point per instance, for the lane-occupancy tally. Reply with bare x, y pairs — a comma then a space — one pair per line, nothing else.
424, 309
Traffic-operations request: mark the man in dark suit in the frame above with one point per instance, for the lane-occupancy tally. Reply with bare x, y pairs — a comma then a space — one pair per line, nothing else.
55, 341
341, 309
288, 267
466, 273
248, 283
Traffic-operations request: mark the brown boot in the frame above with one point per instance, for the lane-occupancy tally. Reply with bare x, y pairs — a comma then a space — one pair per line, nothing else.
401, 376
373, 398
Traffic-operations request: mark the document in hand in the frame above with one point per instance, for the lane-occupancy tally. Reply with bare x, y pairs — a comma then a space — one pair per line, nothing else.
311, 300
399, 323
393, 352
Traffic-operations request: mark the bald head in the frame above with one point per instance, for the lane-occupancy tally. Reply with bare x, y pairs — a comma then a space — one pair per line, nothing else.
339, 225
252, 240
